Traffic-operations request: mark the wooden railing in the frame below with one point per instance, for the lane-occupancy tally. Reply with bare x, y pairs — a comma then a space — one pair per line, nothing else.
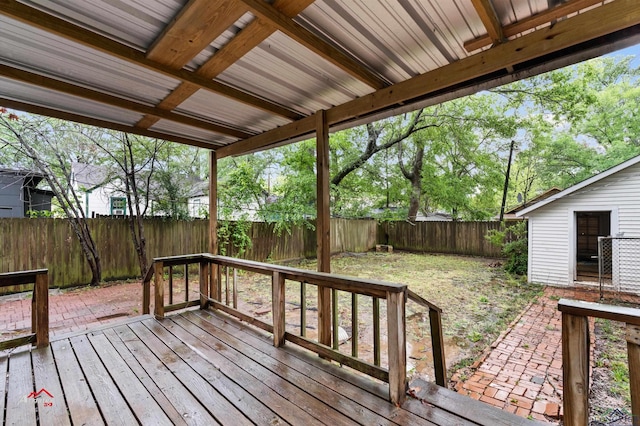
575, 355
218, 280
39, 306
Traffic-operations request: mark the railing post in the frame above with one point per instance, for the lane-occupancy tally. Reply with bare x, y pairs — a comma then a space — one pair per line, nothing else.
397, 348
633, 352
204, 275
159, 289
437, 345
277, 289
41, 295
324, 315
575, 369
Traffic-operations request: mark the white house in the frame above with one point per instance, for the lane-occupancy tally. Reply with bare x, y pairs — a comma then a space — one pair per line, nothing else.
564, 230
99, 193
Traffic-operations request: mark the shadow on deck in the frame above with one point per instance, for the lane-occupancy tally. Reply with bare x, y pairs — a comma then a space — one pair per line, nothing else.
204, 367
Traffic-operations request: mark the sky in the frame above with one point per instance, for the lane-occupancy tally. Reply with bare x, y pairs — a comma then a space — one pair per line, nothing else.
633, 50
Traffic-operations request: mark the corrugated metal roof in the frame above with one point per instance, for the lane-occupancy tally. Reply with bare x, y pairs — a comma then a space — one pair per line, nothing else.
392, 40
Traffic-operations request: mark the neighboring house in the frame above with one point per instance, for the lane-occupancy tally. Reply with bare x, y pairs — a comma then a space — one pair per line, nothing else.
434, 217
98, 192
511, 213
19, 193
564, 230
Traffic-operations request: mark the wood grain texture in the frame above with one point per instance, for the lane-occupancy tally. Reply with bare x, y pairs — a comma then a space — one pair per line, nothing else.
21, 410
158, 289
278, 308
46, 377
41, 297
489, 19
397, 347
633, 354
82, 407
575, 369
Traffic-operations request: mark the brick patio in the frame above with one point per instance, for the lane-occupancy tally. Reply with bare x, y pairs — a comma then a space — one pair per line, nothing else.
522, 371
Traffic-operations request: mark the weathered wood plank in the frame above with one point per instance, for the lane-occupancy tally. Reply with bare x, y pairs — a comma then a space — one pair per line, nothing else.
113, 406
41, 309
3, 383
179, 396
158, 289
396, 347
289, 382
82, 407
137, 396
139, 372
575, 368
277, 309
437, 345
207, 363
21, 410
331, 377
633, 353
46, 377
467, 409
599, 310
223, 411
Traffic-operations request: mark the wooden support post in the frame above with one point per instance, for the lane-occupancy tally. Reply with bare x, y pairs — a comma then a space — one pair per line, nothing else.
158, 290
41, 295
575, 369
323, 225
213, 223
204, 281
335, 335
376, 331
146, 294
397, 348
354, 325
437, 344
277, 288
303, 309
235, 288
633, 352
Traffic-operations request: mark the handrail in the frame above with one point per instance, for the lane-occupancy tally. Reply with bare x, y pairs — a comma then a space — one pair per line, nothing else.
39, 306
215, 274
575, 355
437, 338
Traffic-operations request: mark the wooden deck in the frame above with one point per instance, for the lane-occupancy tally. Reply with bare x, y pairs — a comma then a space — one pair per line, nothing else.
201, 367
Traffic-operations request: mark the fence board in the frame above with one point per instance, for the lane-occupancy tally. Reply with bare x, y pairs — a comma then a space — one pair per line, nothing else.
51, 243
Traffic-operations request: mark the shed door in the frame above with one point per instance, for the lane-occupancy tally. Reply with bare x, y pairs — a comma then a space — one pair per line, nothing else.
590, 226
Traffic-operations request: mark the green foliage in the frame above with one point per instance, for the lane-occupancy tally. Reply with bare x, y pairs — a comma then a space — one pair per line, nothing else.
515, 249
234, 234
33, 214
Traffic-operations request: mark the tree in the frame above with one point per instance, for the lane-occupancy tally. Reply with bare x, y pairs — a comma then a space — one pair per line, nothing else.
42, 144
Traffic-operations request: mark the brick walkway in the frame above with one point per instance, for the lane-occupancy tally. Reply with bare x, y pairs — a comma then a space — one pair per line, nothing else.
522, 371
73, 310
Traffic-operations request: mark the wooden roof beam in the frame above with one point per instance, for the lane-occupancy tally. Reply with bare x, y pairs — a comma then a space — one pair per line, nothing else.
93, 95
77, 34
314, 43
490, 20
606, 19
198, 24
62, 115
560, 11
247, 39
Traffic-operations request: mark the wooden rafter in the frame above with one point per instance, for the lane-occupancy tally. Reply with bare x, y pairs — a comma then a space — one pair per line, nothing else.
62, 115
314, 43
490, 20
77, 34
251, 36
82, 92
560, 11
604, 20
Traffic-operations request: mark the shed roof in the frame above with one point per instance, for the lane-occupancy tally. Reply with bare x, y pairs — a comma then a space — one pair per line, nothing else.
580, 185
242, 75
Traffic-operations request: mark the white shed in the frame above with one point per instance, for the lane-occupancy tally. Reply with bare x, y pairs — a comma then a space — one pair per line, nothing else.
564, 231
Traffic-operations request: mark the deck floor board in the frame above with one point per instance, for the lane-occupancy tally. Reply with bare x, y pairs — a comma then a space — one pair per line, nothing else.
203, 367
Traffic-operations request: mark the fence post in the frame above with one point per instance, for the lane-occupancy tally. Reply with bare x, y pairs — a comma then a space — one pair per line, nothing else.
41, 296
278, 293
397, 346
159, 289
575, 369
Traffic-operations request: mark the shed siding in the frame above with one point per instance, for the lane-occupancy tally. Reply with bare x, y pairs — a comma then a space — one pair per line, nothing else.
11, 202
551, 258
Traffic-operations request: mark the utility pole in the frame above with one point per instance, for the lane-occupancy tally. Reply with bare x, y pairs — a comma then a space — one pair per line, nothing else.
506, 181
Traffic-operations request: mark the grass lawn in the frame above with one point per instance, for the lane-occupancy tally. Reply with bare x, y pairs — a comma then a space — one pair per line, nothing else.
477, 298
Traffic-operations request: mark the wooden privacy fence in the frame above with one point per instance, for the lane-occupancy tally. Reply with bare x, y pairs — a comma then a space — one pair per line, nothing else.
465, 238
216, 290
50, 243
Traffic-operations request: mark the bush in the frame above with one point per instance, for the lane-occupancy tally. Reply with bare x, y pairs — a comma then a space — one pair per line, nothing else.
516, 250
